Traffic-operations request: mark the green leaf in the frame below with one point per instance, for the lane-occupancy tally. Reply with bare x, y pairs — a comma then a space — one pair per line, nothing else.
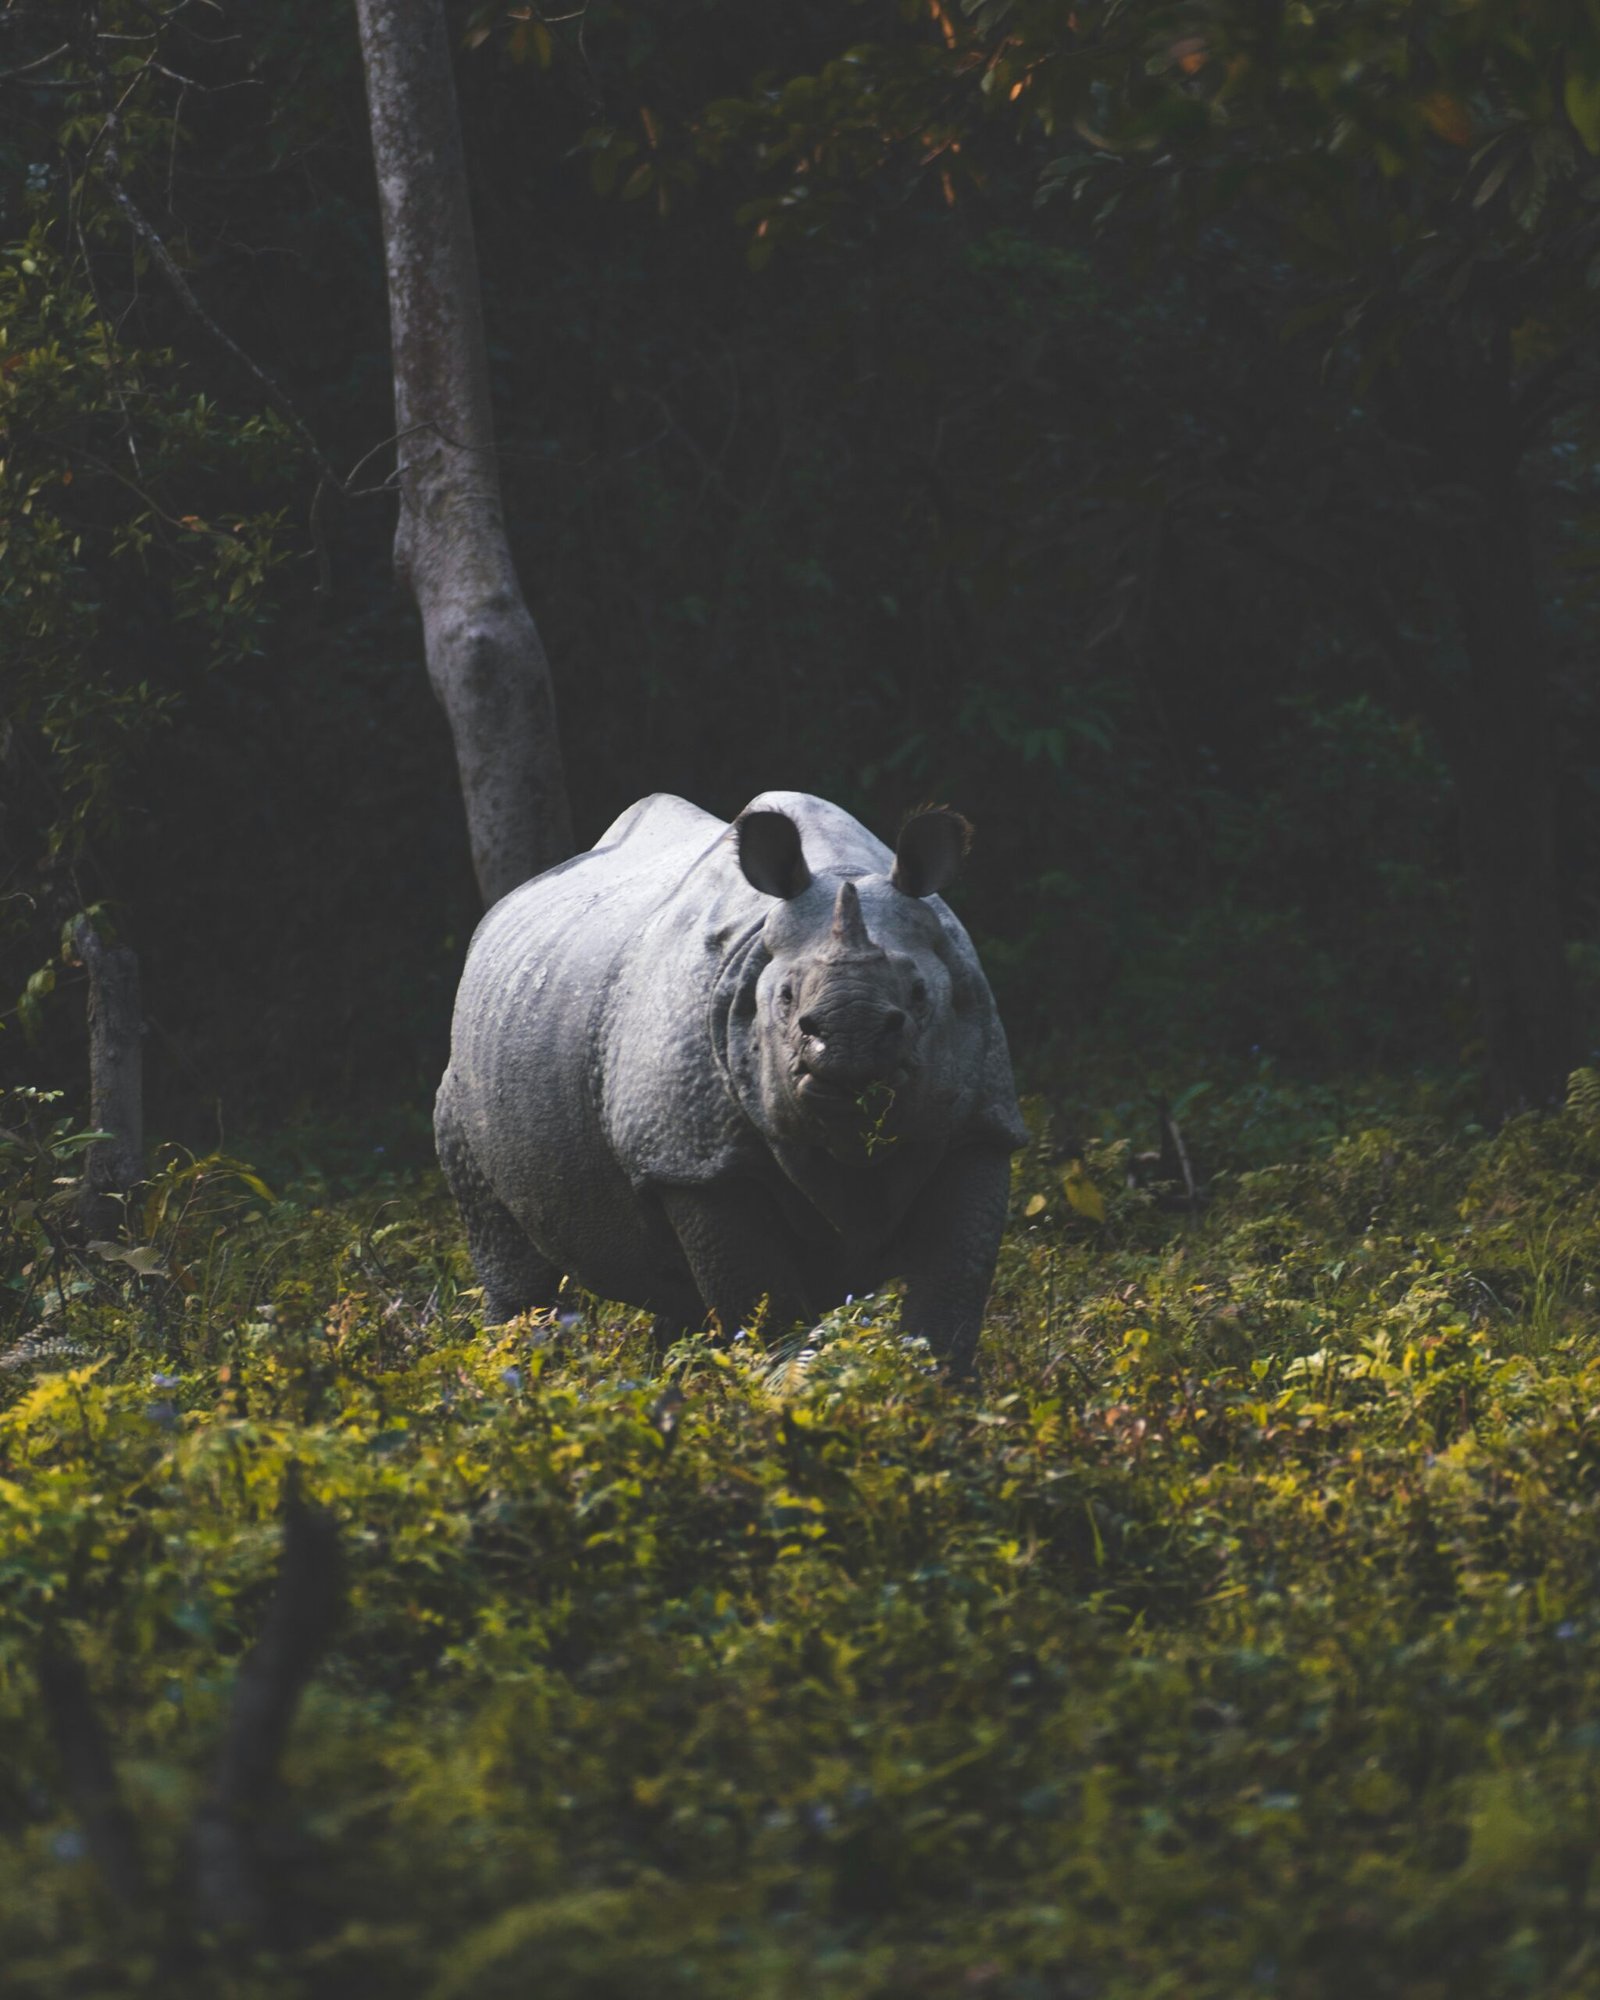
1583, 108
144, 1258
1082, 1193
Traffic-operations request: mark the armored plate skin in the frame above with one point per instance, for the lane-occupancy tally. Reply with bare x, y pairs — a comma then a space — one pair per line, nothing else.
703, 1065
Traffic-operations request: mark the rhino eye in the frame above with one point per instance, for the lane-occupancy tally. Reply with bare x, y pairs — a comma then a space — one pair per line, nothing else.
785, 996
919, 993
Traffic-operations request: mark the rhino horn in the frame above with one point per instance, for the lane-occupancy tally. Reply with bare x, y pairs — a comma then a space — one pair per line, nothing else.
850, 933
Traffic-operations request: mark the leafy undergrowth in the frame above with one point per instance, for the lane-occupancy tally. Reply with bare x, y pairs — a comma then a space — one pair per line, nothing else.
1236, 1634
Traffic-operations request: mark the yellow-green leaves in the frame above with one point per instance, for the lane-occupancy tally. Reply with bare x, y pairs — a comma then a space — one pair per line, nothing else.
1082, 1194
866, 1682
1582, 99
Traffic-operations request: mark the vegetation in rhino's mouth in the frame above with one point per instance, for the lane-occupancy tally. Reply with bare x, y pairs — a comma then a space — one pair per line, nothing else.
875, 1104
871, 1103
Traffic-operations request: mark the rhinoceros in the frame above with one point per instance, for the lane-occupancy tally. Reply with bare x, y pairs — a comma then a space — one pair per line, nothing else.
705, 1065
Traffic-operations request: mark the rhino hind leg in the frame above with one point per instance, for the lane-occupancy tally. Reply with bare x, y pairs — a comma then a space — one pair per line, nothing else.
516, 1277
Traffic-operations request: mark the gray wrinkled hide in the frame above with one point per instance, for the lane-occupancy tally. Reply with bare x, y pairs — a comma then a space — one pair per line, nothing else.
621, 1102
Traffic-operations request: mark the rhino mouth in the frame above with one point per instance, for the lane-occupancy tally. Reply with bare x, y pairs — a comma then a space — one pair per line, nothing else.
827, 1093
869, 1099
816, 1083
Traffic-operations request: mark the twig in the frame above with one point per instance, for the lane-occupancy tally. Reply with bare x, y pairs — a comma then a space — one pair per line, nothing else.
230, 1895
108, 140
26, 69
90, 1776
108, 336
105, 465
167, 265
210, 89
1175, 1154
172, 142
394, 437
317, 527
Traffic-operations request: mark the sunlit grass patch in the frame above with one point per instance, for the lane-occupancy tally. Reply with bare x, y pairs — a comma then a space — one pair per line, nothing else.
1234, 1633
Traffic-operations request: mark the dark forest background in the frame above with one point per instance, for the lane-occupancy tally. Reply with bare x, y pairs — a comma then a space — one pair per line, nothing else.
861, 433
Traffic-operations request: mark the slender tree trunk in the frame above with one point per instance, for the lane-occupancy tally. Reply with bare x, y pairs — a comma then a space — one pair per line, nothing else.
1506, 780
116, 1078
485, 659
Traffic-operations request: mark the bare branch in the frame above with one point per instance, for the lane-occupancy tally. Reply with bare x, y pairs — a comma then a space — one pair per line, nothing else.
161, 256
90, 1776
305, 1607
1175, 1164
27, 69
207, 89
168, 268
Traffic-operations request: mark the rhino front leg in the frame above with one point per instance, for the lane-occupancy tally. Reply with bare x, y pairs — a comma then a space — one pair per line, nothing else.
947, 1252
515, 1277
739, 1254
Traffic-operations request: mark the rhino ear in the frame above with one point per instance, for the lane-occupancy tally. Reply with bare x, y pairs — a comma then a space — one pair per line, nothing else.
932, 845
771, 855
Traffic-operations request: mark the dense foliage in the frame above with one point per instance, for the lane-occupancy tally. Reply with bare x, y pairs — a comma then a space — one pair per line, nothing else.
1053, 511
1237, 1635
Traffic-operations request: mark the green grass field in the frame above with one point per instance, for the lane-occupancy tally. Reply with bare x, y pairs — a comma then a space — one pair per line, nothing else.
1237, 1634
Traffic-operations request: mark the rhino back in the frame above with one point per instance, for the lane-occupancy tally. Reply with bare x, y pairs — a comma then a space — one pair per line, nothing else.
528, 1036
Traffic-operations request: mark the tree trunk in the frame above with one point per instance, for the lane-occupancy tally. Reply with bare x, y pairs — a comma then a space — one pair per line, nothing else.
1506, 780
116, 1079
485, 659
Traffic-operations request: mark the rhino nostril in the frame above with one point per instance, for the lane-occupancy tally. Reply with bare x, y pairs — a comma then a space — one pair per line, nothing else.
810, 1026
894, 1021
